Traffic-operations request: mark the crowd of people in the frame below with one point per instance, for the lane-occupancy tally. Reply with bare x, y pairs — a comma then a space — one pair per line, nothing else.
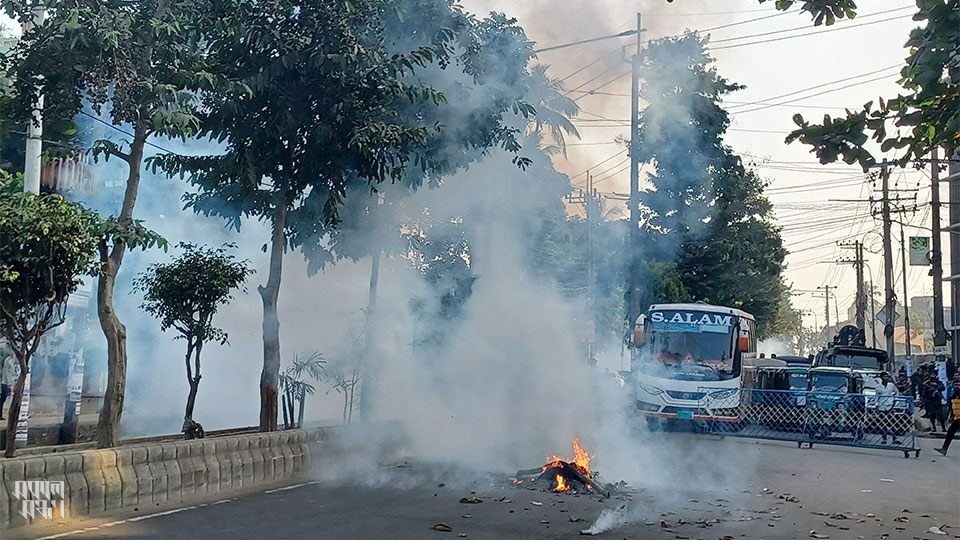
940, 402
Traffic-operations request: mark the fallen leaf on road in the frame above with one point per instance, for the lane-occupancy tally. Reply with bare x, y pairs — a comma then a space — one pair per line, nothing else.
467, 516
586, 532
793, 499
442, 527
871, 515
462, 535
935, 530
544, 522
663, 524
886, 480
574, 519
470, 500
901, 519
866, 491
838, 515
828, 524
814, 534
907, 511
536, 503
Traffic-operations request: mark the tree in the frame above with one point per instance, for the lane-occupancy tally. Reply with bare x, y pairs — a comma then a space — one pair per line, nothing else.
185, 294
362, 117
46, 244
136, 60
924, 117
707, 213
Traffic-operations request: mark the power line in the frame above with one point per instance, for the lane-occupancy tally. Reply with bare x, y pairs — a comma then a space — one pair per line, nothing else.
885, 77
821, 85
818, 32
806, 27
624, 74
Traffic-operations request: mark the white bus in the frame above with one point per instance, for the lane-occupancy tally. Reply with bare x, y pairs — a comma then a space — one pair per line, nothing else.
690, 361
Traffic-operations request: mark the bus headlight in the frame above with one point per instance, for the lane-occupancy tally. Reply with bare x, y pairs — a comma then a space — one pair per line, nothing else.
652, 390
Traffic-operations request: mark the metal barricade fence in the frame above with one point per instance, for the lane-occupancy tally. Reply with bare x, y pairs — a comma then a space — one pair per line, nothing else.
860, 420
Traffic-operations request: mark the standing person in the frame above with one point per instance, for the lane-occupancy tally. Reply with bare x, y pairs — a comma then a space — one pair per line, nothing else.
6, 376
916, 383
955, 410
903, 383
933, 399
885, 397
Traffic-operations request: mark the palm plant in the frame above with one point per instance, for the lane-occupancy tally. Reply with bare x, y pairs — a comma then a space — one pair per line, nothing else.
295, 388
553, 108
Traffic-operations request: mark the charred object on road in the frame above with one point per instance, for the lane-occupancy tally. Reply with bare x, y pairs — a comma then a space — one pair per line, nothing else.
559, 475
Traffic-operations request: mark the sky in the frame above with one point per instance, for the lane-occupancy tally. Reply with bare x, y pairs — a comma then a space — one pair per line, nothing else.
845, 65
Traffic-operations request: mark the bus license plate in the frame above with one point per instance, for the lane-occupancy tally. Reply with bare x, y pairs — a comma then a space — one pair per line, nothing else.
685, 415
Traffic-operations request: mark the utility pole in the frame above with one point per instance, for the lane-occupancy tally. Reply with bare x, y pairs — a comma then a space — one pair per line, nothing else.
954, 181
593, 208
861, 300
873, 313
906, 298
826, 297
633, 305
34, 148
936, 260
890, 301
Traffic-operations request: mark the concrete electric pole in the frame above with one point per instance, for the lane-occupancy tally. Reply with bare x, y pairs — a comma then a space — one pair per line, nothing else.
889, 295
936, 261
633, 305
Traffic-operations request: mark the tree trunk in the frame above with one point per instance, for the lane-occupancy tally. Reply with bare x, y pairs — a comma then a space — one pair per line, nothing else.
283, 408
367, 380
14, 411
108, 425
269, 293
303, 400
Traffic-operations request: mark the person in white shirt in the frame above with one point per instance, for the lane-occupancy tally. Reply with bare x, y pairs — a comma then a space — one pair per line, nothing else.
885, 399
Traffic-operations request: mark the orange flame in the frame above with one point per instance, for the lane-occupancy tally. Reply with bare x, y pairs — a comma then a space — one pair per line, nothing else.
581, 457
561, 484
517, 481
552, 461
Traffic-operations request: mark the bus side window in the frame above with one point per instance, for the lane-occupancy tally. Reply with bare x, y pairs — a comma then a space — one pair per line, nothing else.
751, 331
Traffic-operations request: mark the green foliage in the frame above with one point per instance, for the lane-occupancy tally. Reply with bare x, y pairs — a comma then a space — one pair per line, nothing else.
139, 57
681, 132
822, 11
294, 379
186, 293
924, 117
46, 245
711, 235
362, 115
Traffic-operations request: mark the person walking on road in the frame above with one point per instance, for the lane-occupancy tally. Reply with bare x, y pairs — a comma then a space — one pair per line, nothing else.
933, 400
955, 410
6, 377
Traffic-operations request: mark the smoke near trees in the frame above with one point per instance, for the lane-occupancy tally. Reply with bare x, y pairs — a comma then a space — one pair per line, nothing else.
391, 161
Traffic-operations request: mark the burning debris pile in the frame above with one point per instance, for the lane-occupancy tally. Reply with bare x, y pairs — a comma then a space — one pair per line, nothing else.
560, 475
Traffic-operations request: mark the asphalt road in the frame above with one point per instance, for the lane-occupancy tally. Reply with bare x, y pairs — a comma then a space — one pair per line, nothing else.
780, 492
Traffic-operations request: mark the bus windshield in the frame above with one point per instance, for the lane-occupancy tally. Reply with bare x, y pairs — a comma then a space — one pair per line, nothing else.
690, 346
